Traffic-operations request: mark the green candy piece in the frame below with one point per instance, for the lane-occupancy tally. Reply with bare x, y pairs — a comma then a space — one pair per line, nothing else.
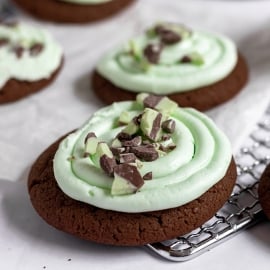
116, 143
166, 106
196, 59
91, 145
131, 128
141, 97
124, 118
103, 149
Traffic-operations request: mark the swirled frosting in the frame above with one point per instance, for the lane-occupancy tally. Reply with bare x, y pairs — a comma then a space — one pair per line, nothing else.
86, 2
200, 159
27, 53
123, 65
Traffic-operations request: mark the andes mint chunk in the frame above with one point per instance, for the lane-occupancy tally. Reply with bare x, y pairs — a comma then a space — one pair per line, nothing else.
107, 164
136, 141
186, 59
91, 143
3, 42
170, 37
166, 105
141, 97
127, 158
151, 101
18, 50
167, 146
131, 128
165, 137
124, 118
117, 151
145, 153
152, 52
151, 124
148, 176
122, 136
127, 180
116, 143
103, 149
168, 126
36, 49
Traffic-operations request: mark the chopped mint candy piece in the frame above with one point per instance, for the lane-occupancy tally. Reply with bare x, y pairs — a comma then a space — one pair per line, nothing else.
148, 176
141, 97
131, 128
103, 149
168, 126
116, 143
135, 51
91, 142
127, 180
107, 164
124, 118
127, 158
166, 105
151, 124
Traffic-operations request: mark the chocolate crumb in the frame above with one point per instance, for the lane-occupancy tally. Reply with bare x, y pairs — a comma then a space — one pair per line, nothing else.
3, 41
69, 260
165, 137
186, 59
18, 50
148, 176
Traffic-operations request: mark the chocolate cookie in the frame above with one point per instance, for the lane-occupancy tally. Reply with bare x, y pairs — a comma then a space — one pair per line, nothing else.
25, 51
15, 89
117, 228
68, 12
123, 73
203, 98
264, 191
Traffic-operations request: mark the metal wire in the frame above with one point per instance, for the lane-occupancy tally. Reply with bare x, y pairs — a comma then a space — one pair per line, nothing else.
242, 210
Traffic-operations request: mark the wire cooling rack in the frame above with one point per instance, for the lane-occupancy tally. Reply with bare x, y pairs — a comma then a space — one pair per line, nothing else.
241, 211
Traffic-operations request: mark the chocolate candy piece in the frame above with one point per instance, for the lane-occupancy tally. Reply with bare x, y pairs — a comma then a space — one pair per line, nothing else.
107, 164
159, 103
194, 58
117, 151
168, 126
148, 176
18, 50
170, 37
127, 158
136, 141
91, 142
151, 124
152, 52
3, 42
122, 136
36, 49
127, 179
146, 153
186, 59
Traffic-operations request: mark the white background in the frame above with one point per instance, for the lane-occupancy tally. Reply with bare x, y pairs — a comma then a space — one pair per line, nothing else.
27, 127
